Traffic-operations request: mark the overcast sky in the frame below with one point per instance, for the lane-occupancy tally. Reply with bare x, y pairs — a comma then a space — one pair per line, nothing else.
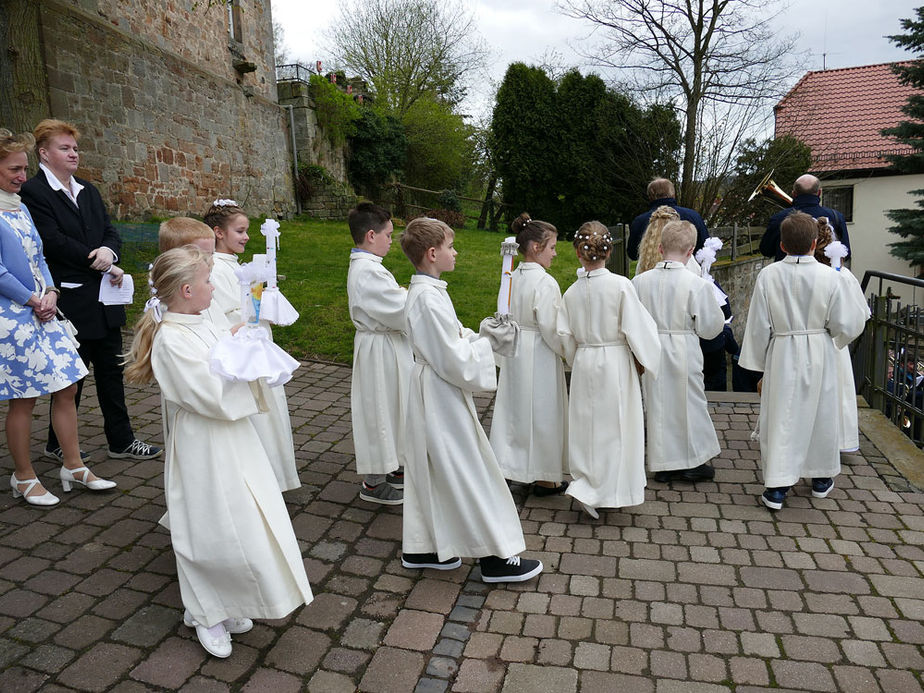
837, 33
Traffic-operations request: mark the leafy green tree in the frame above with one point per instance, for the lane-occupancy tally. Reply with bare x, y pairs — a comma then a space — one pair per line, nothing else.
439, 148
524, 125
378, 150
788, 158
909, 223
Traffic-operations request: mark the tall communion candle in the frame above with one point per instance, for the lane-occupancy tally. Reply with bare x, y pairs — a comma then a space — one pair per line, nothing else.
508, 250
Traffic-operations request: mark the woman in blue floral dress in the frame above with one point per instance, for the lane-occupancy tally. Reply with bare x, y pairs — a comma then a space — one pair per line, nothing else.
37, 356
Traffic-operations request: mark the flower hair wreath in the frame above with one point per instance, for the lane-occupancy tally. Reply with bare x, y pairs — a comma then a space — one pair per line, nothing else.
225, 203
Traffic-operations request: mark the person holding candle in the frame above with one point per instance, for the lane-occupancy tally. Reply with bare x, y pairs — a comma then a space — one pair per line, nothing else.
609, 338
382, 358
529, 430
229, 224
456, 501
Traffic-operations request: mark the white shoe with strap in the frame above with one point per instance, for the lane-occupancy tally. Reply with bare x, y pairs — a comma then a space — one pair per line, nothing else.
80, 476
46, 499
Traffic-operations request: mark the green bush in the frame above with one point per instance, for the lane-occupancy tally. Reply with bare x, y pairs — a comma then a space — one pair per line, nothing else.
448, 199
336, 111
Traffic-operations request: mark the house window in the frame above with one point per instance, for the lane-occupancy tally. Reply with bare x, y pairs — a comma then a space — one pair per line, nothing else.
840, 199
235, 20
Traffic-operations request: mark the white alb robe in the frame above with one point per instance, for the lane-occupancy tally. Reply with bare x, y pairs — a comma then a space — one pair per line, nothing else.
382, 364
602, 324
529, 430
274, 426
236, 551
850, 433
456, 501
800, 316
680, 431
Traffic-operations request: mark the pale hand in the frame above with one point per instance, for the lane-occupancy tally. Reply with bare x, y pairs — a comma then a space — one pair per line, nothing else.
117, 274
102, 258
44, 308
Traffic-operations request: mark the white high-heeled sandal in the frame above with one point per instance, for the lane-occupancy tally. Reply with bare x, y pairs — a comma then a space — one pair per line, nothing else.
45, 499
68, 478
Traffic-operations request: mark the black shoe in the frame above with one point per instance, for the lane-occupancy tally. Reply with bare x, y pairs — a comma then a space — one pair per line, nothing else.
137, 450
57, 454
543, 491
822, 486
703, 472
513, 569
773, 497
665, 477
429, 560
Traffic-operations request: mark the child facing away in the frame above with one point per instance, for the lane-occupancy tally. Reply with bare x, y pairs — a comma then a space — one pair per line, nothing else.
382, 358
681, 436
607, 334
229, 223
799, 317
529, 430
236, 553
456, 501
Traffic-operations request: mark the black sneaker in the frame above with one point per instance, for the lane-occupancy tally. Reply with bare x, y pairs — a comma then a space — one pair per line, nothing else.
57, 454
821, 487
137, 451
429, 560
513, 569
395, 478
703, 472
383, 494
773, 498
665, 477
543, 491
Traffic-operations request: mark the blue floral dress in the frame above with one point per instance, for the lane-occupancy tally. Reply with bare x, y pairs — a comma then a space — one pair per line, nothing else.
36, 358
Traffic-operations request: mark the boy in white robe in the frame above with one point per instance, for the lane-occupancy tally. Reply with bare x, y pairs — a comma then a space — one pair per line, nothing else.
799, 317
456, 501
607, 337
382, 358
681, 436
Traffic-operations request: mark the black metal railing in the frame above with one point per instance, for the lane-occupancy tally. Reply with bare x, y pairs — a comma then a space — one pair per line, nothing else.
888, 359
294, 73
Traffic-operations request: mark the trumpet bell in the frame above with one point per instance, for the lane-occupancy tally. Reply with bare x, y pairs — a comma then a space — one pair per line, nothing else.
769, 190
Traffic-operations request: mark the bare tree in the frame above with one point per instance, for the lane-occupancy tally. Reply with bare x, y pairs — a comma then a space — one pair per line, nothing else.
407, 48
718, 61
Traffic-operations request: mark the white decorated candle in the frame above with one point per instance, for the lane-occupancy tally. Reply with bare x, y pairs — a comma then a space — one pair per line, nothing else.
508, 250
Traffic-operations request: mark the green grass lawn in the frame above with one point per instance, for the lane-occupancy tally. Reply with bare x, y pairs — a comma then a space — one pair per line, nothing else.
314, 257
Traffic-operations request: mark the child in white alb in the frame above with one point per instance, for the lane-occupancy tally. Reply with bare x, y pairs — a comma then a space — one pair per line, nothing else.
456, 501
529, 429
236, 553
799, 317
608, 336
681, 437
382, 358
229, 224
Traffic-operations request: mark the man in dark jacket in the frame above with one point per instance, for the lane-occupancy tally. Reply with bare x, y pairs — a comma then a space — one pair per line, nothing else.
661, 192
81, 245
806, 197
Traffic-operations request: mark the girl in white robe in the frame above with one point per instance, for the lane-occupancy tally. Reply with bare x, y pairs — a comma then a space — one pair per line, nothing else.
529, 430
236, 552
799, 318
230, 224
681, 435
606, 332
456, 501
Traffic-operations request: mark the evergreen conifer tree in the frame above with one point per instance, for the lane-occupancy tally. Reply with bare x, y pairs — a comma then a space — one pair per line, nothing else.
909, 223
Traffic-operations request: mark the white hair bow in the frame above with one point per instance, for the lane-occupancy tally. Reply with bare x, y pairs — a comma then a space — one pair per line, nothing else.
225, 203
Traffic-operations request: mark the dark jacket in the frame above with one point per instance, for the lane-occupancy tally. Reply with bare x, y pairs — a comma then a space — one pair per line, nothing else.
811, 205
69, 234
640, 223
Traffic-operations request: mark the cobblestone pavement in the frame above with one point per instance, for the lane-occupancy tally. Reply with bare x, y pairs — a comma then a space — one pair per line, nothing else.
699, 589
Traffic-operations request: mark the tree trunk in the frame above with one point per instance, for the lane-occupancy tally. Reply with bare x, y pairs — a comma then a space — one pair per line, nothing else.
22, 67
486, 205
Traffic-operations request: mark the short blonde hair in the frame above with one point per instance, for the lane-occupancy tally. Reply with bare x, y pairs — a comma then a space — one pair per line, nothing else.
592, 241
48, 128
678, 236
14, 144
180, 231
420, 235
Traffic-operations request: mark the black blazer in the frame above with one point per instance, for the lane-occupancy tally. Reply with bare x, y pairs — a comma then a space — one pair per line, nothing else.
69, 233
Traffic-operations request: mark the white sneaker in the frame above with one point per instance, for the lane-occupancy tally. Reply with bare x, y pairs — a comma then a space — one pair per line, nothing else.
234, 626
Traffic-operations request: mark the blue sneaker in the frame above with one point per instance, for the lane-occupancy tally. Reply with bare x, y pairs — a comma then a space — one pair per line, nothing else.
773, 498
822, 487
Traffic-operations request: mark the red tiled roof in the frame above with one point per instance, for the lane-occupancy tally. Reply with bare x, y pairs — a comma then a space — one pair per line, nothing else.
839, 113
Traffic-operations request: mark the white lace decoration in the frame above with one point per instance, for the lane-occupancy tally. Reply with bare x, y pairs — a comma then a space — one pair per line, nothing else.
225, 203
836, 251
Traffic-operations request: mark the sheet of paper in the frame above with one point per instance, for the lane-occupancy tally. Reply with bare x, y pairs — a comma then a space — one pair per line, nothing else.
110, 295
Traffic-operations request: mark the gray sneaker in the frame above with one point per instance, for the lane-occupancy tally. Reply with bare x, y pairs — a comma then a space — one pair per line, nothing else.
384, 494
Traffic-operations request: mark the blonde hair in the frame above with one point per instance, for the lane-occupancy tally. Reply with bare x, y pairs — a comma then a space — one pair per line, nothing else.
420, 235
648, 253
170, 271
678, 236
48, 128
529, 230
180, 231
592, 241
14, 144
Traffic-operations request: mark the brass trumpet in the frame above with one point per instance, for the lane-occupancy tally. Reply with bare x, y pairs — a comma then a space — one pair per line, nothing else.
769, 190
